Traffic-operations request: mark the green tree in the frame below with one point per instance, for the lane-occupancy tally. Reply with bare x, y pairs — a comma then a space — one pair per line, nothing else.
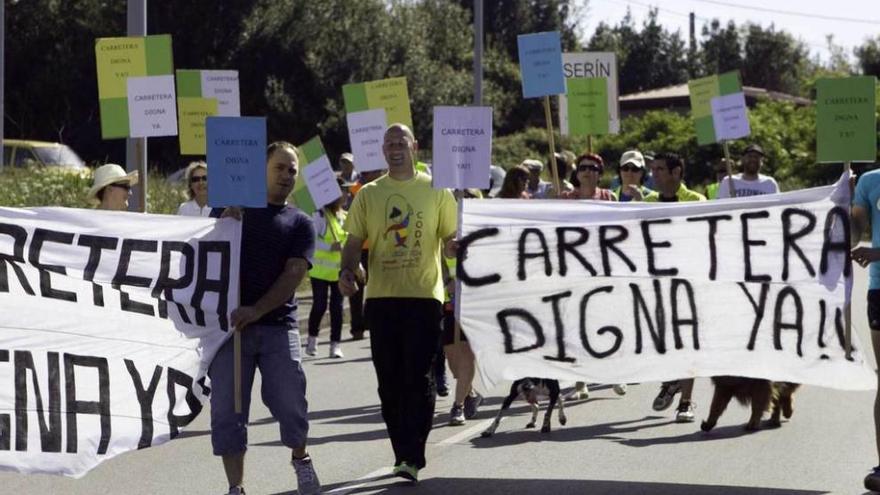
868, 55
774, 60
720, 49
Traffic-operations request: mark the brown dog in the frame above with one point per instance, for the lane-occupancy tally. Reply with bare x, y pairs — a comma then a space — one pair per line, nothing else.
761, 394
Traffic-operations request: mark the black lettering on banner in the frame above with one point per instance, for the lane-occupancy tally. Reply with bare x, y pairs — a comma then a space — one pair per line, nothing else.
178, 378
463, 246
527, 317
677, 320
123, 278
748, 243
50, 436
100, 407
204, 284
523, 255
789, 239
650, 245
560, 327
145, 399
96, 244
760, 307
839, 327
712, 220
641, 308
165, 285
565, 246
19, 236
797, 325
607, 243
836, 214
618, 335
40, 236
5, 421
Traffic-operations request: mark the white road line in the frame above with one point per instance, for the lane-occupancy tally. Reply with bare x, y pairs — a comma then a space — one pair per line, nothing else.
473, 430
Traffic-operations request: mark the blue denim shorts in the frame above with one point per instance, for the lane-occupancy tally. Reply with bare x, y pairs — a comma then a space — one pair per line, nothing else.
275, 350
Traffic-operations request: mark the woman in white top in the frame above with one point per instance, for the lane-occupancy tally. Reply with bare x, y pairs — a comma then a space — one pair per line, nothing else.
197, 190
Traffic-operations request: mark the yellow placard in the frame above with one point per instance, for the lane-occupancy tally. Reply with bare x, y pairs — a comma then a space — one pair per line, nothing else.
392, 95
119, 59
191, 115
701, 92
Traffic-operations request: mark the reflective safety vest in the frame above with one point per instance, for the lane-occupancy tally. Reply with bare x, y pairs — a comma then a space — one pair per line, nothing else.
326, 262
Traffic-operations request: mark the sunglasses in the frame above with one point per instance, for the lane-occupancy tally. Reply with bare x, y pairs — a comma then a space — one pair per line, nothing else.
122, 185
588, 166
202, 178
629, 168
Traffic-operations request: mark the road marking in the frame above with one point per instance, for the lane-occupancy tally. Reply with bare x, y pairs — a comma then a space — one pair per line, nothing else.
362, 481
464, 434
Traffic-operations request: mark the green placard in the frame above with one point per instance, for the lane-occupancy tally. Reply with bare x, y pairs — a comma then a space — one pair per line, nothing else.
701, 92
846, 119
390, 94
117, 59
189, 83
587, 106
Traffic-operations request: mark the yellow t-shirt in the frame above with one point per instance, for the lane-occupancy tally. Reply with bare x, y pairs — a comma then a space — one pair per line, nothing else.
405, 223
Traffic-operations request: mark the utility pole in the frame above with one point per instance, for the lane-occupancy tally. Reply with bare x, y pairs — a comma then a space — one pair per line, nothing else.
478, 52
692, 49
136, 148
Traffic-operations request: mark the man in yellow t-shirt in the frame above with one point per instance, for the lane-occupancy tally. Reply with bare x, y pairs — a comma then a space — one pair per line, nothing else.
408, 224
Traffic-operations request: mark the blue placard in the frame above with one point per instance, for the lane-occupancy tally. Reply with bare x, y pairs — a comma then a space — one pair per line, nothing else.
540, 63
236, 161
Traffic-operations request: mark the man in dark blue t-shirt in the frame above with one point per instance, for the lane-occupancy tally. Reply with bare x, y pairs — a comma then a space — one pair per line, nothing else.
277, 243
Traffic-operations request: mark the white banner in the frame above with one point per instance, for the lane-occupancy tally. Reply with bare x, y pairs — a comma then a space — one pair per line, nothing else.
110, 321
639, 292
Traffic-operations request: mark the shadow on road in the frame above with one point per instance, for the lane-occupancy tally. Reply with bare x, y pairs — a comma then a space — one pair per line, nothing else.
615, 430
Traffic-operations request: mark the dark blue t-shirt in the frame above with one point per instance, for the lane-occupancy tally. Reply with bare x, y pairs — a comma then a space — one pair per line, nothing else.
269, 237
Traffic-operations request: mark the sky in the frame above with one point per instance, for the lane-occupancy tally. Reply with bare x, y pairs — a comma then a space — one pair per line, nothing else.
850, 21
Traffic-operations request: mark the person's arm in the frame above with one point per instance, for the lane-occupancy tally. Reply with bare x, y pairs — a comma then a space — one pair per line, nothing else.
279, 293
349, 272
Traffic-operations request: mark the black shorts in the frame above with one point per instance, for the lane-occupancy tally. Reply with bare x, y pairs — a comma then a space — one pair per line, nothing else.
874, 309
448, 335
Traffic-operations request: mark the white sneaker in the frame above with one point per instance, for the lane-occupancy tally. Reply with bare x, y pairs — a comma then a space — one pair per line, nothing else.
336, 350
306, 477
312, 346
580, 392
620, 389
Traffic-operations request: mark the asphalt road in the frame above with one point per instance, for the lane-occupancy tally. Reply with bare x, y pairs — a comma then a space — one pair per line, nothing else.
611, 445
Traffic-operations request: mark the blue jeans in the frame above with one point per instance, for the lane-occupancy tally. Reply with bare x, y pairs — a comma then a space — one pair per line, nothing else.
274, 349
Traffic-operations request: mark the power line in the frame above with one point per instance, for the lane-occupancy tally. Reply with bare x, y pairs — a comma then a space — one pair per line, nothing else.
791, 13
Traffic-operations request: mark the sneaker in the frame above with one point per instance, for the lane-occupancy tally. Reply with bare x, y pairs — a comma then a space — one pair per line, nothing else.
235, 490
306, 478
312, 346
685, 412
407, 471
336, 350
666, 395
456, 415
357, 335
620, 389
471, 404
872, 481
580, 392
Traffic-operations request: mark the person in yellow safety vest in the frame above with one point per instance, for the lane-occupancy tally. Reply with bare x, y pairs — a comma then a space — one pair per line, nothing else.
456, 347
720, 169
324, 276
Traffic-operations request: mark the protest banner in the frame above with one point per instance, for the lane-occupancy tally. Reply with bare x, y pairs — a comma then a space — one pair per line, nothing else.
591, 64
462, 151
117, 59
237, 161
587, 106
110, 322
318, 186
151, 108
540, 66
639, 292
362, 102
846, 119
718, 108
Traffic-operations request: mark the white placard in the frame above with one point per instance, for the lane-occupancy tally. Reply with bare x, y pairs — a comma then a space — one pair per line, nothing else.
592, 64
366, 133
462, 147
605, 292
222, 85
730, 117
321, 182
128, 355
152, 108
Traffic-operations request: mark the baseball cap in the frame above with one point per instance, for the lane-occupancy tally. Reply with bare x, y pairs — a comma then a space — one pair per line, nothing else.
756, 148
633, 157
347, 156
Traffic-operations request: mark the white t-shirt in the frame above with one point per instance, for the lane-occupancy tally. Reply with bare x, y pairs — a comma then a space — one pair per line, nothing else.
192, 209
764, 184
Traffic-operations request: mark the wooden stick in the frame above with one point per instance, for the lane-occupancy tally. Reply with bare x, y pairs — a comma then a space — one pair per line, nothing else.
847, 311
553, 169
589, 143
727, 164
236, 369
142, 175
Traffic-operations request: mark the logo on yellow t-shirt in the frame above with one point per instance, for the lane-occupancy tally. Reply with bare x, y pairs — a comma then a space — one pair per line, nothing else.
398, 213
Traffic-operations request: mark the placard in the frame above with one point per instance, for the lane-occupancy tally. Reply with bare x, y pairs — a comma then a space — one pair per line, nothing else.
587, 101
540, 64
846, 119
319, 187
366, 133
462, 151
237, 161
151, 106
592, 64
